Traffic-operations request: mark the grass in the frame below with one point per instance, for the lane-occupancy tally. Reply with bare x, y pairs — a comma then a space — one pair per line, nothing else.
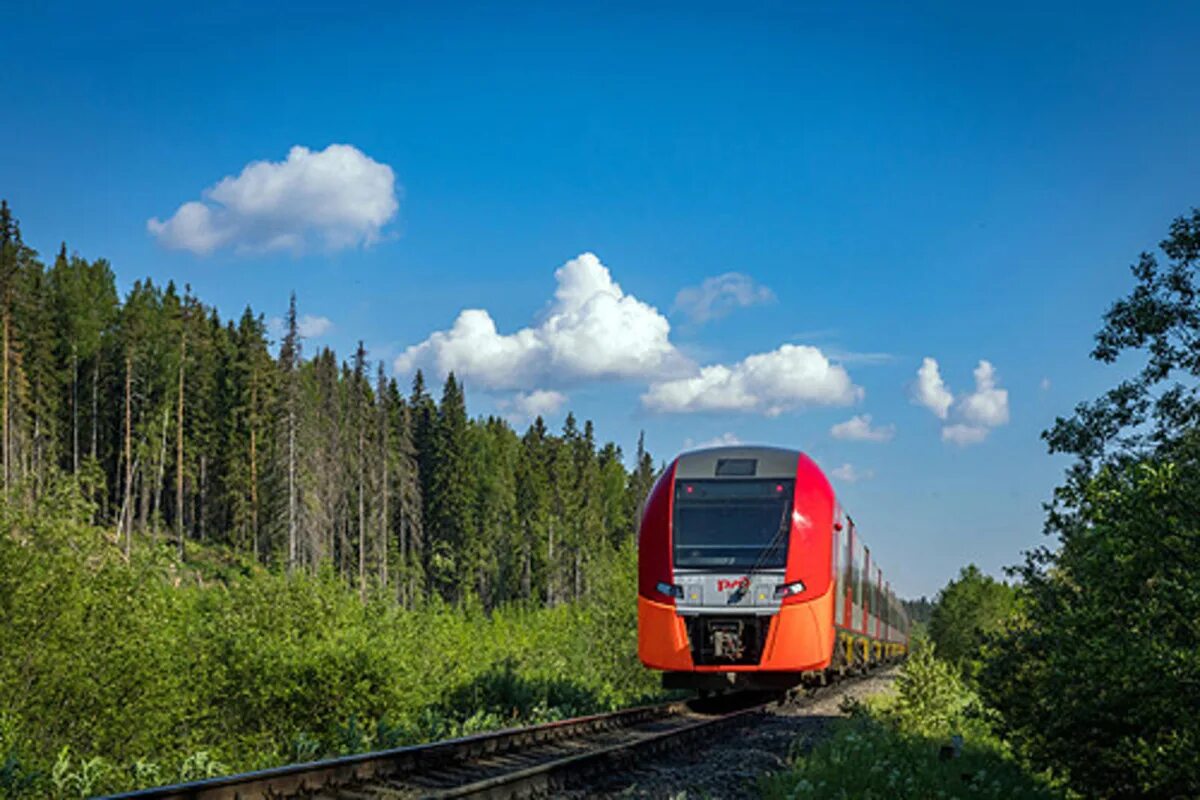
930, 739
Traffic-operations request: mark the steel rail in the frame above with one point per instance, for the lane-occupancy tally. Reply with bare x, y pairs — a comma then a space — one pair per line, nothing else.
314, 776
417, 770
542, 779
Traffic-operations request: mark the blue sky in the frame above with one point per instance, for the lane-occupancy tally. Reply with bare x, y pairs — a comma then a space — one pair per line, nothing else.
956, 183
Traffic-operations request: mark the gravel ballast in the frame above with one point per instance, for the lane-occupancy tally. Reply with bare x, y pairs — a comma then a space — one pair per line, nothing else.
730, 765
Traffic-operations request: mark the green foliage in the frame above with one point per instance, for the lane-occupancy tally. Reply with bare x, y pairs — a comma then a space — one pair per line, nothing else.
118, 673
968, 611
896, 747
1150, 412
186, 427
1102, 682
919, 611
932, 700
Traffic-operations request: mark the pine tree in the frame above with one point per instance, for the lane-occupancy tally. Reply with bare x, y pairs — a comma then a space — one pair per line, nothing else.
424, 435
193, 428
454, 551
289, 365
641, 480
407, 511
533, 511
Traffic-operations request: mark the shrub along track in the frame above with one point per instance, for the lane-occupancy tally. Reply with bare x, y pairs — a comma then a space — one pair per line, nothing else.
518, 762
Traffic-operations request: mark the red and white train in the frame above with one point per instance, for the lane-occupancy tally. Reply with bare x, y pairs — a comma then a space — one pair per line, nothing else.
751, 575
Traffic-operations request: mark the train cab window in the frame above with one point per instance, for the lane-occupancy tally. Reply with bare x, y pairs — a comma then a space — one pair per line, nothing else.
737, 467
732, 524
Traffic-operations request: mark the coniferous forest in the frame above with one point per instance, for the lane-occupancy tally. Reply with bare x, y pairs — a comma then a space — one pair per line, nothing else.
223, 552
185, 428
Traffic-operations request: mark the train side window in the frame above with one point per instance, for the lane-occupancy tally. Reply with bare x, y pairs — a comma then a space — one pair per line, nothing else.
856, 578
848, 567
836, 569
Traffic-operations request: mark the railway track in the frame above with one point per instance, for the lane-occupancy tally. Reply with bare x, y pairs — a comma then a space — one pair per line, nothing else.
519, 762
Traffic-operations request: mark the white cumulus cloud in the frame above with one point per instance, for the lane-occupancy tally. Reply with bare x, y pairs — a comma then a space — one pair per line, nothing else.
930, 390
309, 326
726, 439
592, 330
766, 383
538, 403
849, 474
964, 435
987, 405
717, 296
858, 429
976, 413
337, 198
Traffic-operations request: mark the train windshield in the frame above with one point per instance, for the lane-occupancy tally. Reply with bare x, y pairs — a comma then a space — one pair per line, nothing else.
732, 524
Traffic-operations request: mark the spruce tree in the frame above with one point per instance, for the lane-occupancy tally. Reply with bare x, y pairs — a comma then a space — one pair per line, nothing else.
455, 551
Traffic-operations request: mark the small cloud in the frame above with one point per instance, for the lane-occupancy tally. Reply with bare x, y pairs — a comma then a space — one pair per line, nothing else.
538, 403
964, 435
724, 440
930, 390
858, 429
848, 474
1045, 385
977, 412
337, 197
312, 327
716, 297
309, 326
987, 405
764, 383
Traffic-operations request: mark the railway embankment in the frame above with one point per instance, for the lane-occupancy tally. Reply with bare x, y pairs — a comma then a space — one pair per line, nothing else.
731, 763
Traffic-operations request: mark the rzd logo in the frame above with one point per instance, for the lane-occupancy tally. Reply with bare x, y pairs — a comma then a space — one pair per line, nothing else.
734, 583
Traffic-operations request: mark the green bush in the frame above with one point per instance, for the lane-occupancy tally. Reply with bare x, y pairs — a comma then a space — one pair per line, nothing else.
118, 674
931, 738
1101, 683
969, 610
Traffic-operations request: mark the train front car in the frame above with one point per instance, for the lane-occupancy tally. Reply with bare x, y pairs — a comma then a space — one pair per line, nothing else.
735, 574
750, 575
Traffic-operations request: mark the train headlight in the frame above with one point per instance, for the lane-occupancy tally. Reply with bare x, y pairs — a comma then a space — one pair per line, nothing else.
788, 589
670, 590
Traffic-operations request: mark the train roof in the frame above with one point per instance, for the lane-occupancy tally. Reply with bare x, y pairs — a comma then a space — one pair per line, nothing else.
738, 461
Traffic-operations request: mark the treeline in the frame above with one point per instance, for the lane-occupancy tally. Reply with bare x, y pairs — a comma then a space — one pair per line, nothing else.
182, 427
1090, 664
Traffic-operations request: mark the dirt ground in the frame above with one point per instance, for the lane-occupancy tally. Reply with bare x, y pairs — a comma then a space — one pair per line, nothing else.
728, 768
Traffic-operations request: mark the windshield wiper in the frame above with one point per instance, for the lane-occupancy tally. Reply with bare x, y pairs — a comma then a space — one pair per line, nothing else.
767, 551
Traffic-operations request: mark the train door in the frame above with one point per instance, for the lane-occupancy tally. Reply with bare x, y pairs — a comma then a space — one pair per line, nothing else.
864, 595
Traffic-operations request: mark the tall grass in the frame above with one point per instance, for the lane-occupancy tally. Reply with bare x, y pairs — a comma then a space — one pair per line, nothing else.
115, 675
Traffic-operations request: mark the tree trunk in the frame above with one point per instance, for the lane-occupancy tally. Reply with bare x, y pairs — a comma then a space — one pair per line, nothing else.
550, 597
157, 513
203, 483
126, 512
95, 406
291, 481
179, 449
254, 467
362, 519
74, 409
4, 412
403, 585
526, 571
383, 513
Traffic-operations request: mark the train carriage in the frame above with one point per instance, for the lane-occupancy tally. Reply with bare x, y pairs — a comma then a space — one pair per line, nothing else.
751, 575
